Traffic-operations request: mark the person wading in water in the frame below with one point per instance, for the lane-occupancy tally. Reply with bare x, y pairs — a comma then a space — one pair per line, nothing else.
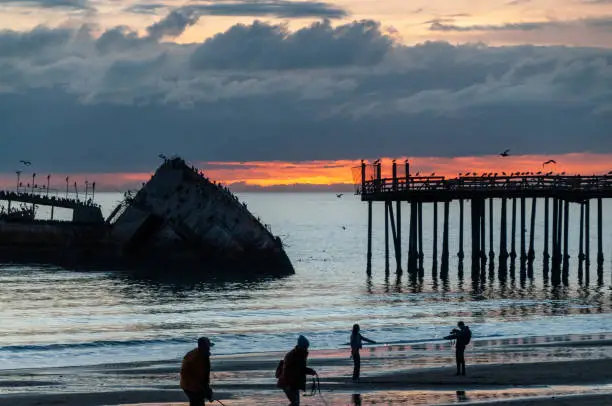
292, 370
356, 344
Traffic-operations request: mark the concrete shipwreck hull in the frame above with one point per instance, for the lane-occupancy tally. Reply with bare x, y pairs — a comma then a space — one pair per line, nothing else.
179, 222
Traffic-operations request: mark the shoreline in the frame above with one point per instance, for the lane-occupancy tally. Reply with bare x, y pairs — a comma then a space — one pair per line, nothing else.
420, 374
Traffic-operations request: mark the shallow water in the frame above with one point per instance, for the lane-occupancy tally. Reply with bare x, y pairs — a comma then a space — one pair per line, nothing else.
53, 317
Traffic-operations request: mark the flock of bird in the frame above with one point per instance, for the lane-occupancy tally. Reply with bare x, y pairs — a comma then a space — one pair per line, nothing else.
495, 174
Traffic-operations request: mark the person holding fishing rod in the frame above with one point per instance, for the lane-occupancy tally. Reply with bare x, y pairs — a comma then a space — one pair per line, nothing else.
292, 370
195, 373
356, 344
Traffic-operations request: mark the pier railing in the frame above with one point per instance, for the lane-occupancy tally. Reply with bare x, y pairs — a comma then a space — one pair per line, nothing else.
43, 200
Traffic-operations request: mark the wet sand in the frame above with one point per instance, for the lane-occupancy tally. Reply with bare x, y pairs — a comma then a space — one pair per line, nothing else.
532, 371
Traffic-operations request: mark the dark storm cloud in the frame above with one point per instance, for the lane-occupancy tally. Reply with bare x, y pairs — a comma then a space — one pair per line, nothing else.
252, 8
442, 26
151, 8
276, 8
73, 4
40, 39
70, 101
174, 24
265, 46
600, 22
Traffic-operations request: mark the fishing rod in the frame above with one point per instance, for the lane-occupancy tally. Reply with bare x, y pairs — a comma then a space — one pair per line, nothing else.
315, 388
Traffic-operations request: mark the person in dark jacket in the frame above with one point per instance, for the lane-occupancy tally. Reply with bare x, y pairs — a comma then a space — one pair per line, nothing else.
463, 335
292, 377
356, 344
195, 373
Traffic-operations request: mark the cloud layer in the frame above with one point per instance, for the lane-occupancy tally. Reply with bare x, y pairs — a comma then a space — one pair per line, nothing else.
70, 4
72, 99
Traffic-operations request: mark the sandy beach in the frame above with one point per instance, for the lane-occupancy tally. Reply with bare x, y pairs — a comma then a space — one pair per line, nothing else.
533, 371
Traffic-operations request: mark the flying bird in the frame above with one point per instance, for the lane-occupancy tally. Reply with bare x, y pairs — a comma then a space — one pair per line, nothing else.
26, 163
339, 195
550, 161
505, 153
376, 162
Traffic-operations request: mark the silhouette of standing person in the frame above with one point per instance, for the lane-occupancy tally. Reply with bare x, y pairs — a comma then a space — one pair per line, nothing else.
195, 373
463, 335
356, 344
292, 371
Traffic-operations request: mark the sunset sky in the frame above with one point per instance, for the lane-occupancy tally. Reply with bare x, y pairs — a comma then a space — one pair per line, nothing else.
273, 93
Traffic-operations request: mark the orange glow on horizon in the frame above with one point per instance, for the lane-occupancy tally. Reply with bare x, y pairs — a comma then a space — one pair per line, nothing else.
339, 172
324, 173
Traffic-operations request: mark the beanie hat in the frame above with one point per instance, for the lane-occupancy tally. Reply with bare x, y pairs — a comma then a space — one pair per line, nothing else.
303, 342
204, 342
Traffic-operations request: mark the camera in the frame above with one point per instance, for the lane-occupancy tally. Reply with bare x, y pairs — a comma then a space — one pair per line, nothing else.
453, 334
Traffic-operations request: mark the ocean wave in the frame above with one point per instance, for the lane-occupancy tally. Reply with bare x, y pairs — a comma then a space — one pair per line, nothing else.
93, 344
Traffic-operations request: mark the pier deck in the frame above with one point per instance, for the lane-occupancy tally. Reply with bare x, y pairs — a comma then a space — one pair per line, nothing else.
574, 188
44, 200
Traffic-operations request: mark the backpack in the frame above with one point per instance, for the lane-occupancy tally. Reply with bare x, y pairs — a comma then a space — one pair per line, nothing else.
279, 369
468, 335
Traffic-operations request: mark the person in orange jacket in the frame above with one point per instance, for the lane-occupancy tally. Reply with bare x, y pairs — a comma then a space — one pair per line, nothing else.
293, 371
195, 373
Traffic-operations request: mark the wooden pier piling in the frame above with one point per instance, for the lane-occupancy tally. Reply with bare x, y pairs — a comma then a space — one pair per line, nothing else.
513, 234
444, 267
503, 239
434, 265
491, 224
523, 234
566, 255
581, 244
387, 238
483, 236
398, 211
420, 232
476, 214
412, 240
369, 264
600, 255
546, 254
531, 252
587, 234
396, 247
555, 234
460, 254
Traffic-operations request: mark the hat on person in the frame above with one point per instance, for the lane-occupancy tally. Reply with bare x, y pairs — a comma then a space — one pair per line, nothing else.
204, 342
303, 342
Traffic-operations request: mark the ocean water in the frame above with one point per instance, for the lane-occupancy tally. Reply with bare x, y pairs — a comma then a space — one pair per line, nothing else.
55, 317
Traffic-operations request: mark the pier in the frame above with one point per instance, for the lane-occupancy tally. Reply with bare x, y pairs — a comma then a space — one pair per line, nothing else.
82, 210
548, 194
